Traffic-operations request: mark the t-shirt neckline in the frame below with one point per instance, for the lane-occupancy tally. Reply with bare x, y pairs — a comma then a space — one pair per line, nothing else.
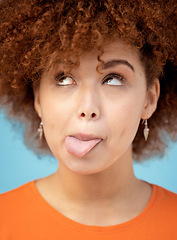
92, 228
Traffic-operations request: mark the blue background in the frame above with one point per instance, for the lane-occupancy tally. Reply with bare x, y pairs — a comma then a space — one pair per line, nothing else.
19, 165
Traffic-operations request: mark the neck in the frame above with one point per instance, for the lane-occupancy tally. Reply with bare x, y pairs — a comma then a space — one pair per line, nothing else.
115, 181
115, 193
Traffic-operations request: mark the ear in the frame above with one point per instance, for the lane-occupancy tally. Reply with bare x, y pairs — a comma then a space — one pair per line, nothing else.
152, 97
37, 105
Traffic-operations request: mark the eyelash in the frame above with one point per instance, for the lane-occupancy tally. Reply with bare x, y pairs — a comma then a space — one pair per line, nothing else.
113, 75
61, 76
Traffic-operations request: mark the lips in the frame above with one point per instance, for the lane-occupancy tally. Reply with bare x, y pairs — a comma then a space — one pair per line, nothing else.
80, 144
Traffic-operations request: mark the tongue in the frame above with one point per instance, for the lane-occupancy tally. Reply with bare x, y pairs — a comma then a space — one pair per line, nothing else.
79, 147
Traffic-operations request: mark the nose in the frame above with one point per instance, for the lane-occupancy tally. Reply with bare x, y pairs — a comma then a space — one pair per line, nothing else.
89, 106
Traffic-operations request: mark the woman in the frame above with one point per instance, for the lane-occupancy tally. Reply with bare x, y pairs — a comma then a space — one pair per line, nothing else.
88, 75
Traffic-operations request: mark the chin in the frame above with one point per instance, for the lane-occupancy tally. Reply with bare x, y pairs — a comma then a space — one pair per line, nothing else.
85, 166
82, 166
84, 170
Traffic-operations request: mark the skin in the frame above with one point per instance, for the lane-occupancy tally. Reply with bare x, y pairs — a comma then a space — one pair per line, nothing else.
90, 102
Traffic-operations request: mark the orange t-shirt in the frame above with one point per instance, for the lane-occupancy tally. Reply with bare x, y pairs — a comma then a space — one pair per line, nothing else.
24, 214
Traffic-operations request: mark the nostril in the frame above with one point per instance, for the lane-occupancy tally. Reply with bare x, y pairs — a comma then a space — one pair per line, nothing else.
82, 114
93, 115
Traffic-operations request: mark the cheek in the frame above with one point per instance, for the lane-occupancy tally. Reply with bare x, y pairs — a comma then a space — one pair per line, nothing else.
124, 117
55, 111
55, 117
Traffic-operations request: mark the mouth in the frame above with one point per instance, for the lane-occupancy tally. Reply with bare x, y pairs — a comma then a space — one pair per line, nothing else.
80, 144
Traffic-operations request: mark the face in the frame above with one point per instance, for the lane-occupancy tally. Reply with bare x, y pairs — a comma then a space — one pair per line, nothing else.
91, 117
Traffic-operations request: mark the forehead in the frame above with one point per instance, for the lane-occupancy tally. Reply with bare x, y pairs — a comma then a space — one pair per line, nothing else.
112, 54
113, 50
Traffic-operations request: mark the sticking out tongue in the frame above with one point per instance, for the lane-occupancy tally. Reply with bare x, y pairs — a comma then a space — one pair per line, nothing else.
79, 147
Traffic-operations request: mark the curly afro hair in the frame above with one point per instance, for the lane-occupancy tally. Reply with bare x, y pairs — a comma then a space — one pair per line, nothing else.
37, 34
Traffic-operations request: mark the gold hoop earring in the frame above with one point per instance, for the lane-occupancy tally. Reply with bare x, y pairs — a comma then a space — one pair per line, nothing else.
40, 130
146, 130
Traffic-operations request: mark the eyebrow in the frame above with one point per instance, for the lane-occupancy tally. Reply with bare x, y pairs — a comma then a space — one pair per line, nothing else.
113, 63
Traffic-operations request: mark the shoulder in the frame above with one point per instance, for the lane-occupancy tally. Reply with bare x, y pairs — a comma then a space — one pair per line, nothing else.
19, 191
19, 212
165, 203
12, 201
165, 195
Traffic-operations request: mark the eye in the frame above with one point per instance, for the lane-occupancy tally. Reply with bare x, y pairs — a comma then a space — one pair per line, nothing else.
114, 79
64, 80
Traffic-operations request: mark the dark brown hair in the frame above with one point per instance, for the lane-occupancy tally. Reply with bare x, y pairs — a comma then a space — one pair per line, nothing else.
34, 33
